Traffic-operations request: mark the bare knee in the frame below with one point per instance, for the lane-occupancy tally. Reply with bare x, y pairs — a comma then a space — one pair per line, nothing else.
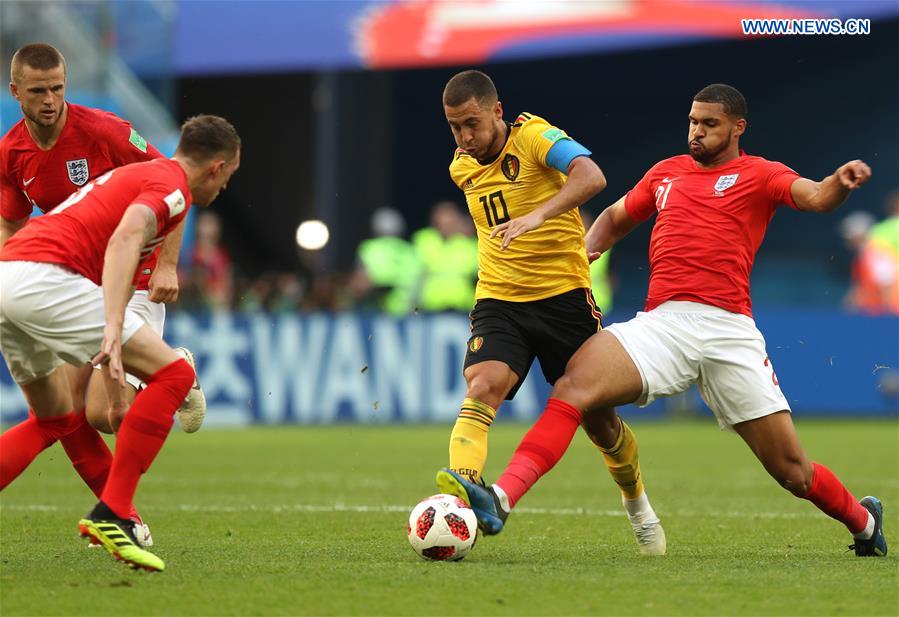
567, 388
794, 474
49, 396
98, 418
487, 388
599, 421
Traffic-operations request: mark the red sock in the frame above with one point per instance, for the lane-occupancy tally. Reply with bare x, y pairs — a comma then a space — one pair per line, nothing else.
89, 454
540, 449
832, 498
23, 442
144, 429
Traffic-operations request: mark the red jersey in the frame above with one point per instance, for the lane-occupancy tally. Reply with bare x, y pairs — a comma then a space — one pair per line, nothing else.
76, 233
710, 225
91, 143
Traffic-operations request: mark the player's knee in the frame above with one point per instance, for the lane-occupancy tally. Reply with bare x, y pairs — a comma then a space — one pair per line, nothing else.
564, 388
96, 420
793, 476
569, 389
483, 388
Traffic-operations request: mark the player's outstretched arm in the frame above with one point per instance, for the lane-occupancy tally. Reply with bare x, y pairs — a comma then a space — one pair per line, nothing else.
609, 227
9, 227
164, 280
831, 192
585, 179
137, 227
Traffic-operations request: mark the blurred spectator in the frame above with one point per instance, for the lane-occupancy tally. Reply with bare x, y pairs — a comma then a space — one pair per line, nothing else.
874, 288
387, 268
600, 278
209, 276
448, 252
882, 253
854, 228
324, 294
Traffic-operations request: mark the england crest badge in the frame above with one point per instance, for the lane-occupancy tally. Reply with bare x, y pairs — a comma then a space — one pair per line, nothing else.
78, 172
725, 182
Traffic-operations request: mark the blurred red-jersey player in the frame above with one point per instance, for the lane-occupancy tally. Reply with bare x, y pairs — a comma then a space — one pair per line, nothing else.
67, 281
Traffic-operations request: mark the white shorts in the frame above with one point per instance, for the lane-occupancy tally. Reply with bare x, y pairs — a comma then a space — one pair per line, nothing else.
50, 315
152, 314
678, 344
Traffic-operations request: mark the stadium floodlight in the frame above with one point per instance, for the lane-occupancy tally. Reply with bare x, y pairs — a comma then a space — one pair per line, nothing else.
312, 235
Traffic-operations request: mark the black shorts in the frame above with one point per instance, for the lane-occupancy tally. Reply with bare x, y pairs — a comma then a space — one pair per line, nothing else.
550, 330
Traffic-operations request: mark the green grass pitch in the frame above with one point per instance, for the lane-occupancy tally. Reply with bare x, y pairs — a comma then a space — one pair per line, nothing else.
312, 521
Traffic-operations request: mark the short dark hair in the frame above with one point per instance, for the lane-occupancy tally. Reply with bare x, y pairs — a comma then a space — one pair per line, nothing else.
467, 84
731, 98
40, 56
204, 137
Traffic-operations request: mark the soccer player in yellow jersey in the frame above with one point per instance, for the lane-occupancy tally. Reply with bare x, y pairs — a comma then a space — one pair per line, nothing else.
533, 297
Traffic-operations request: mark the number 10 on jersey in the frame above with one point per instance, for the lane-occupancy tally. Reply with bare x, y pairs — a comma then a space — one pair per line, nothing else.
492, 200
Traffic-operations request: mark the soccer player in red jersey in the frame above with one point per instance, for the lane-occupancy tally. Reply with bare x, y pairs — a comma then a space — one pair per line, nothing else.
713, 208
67, 279
54, 150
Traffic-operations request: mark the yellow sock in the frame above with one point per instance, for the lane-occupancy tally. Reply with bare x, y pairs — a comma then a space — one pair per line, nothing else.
468, 443
623, 461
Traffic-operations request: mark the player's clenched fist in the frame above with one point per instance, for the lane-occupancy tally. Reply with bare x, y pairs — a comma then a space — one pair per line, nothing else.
164, 285
853, 174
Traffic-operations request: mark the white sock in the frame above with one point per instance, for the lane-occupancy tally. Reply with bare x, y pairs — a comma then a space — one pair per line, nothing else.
503, 498
636, 506
868, 531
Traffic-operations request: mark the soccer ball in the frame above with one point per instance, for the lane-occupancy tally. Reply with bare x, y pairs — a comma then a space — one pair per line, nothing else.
442, 528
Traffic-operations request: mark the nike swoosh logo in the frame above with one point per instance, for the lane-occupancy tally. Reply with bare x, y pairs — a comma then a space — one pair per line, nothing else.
666, 180
29, 181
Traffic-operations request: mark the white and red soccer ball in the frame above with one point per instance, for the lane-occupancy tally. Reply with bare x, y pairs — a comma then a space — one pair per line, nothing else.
442, 528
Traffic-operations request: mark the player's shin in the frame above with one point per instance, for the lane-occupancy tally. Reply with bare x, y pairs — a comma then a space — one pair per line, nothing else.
23, 442
539, 451
468, 442
831, 497
143, 432
622, 459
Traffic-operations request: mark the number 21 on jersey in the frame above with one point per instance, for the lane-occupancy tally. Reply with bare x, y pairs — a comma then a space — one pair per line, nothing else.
662, 193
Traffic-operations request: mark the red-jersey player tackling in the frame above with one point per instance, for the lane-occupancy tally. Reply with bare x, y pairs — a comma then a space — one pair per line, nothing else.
66, 280
713, 209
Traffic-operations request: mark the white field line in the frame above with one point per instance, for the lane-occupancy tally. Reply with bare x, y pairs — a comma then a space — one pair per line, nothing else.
341, 508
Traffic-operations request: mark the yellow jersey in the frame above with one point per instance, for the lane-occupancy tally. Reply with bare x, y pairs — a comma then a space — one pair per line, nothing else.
545, 262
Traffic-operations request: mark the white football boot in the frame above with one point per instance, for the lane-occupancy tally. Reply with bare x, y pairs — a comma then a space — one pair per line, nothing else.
646, 525
142, 533
193, 409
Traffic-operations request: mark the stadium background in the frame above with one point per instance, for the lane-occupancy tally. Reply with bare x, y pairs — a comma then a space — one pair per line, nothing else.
338, 104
